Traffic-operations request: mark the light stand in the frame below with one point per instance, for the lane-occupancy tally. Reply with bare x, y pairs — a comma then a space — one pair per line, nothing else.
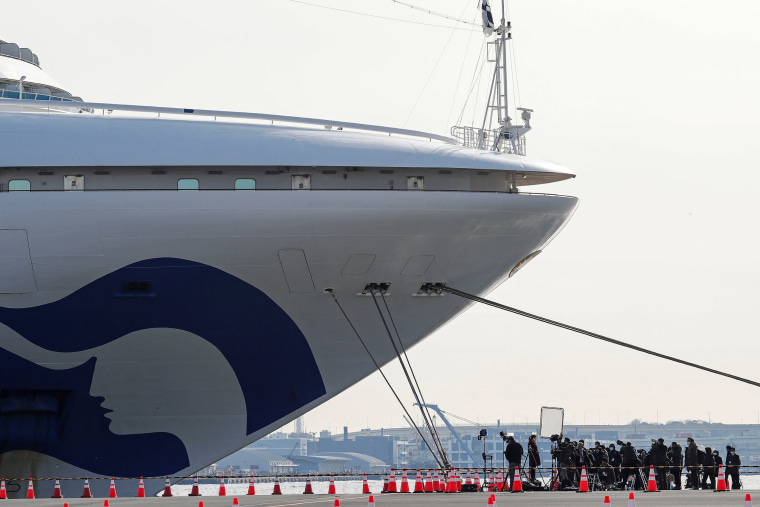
482, 436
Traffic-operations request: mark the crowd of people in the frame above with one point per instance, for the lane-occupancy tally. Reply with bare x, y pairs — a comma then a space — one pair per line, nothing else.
628, 468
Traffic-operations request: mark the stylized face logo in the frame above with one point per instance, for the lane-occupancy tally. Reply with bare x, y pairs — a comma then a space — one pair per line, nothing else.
143, 378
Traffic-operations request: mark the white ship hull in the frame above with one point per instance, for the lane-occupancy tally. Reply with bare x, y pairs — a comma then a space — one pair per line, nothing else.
182, 400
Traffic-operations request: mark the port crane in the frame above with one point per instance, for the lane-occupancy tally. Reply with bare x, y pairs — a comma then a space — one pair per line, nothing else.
462, 445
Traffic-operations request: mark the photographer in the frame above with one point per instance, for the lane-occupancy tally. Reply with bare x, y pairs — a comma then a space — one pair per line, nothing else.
676, 463
659, 455
582, 458
630, 462
566, 464
513, 453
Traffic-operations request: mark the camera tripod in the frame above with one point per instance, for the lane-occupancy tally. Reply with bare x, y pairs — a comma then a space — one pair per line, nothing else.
638, 474
525, 472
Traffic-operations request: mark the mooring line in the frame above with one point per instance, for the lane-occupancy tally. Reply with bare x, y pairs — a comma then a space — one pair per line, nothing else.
597, 336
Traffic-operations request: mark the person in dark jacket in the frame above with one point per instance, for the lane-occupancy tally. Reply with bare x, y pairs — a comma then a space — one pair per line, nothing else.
534, 460
513, 453
582, 457
659, 454
708, 469
732, 467
606, 474
718, 463
630, 461
676, 463
567, 464
615, 460
599, 454
691, 456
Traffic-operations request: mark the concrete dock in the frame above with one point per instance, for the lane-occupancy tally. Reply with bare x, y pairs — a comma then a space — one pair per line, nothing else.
559, 498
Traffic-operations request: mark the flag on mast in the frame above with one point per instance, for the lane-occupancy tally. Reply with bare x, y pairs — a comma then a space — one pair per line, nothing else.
488, 25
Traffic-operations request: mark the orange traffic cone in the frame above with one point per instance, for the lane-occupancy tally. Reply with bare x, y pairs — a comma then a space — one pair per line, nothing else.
583, 488
141, 488
3, 492
652, 482
57, 489
607, 500
105, 502
499, 481
476, 480
196, 490
86, 493
30, 490
112, 489
337, 502
428, 483
441, 482
468, 477
747, 501
222, 488
517, 483
450, 486
331, 488
404, 483
631, 500
307, 490
418, 480
365, 486
385, 483
371, 502
251, 487
490, 500
167, 488
277, 490
721, 480
392, 482
235, 501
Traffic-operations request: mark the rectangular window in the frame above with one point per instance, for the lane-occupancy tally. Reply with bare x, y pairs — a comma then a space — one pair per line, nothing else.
19, 186
245, 184
188, 184
301, 181
415, 182
73, 182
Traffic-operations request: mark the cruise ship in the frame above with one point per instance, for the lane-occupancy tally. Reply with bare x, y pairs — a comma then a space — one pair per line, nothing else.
177, 283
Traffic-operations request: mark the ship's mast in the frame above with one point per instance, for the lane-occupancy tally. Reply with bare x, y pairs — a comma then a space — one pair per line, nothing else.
505, 137
498, 100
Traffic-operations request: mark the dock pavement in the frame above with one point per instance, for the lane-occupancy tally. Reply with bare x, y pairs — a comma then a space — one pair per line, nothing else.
533, 498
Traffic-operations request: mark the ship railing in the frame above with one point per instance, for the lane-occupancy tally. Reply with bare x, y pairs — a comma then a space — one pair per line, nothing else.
487, 139
186, 113
8, 94
4, 189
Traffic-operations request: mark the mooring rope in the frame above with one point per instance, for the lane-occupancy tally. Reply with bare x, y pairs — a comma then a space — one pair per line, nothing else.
597, 336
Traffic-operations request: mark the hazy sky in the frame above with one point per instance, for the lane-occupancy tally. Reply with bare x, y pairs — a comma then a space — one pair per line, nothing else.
654, 104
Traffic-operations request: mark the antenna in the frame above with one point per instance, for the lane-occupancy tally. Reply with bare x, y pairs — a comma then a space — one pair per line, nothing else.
505, 137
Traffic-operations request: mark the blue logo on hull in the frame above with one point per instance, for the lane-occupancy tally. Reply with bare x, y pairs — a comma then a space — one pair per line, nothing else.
51, 411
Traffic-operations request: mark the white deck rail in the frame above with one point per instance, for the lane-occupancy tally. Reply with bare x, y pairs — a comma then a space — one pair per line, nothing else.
92, 106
